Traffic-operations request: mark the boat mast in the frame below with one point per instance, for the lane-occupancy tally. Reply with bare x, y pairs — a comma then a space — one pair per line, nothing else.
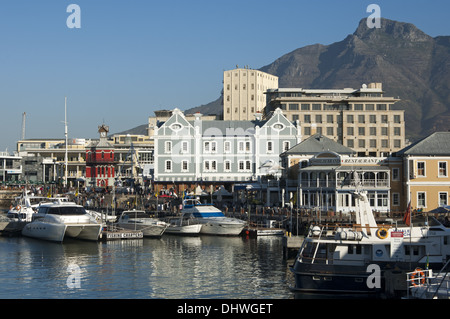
65, 133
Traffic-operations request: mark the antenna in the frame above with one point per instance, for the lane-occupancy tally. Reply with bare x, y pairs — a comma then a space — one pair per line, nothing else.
24, 116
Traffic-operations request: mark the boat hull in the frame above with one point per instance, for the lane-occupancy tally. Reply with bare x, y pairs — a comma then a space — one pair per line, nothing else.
221, 228
184, 230
147, 230
57, 232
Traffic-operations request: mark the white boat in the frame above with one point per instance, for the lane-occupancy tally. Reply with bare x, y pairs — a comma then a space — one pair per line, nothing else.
27, 205
140, 220
213, 221
58, 220
184, 226
366, 257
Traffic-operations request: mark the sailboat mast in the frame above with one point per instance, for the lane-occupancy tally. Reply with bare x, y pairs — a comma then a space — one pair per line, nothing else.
65, 133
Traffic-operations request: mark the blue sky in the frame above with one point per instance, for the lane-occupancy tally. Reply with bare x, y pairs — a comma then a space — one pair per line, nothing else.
130, 58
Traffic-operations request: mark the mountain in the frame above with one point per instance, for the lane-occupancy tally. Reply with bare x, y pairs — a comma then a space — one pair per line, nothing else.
411, 65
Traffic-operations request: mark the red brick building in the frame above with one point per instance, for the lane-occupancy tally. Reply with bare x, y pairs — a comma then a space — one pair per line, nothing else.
100, 161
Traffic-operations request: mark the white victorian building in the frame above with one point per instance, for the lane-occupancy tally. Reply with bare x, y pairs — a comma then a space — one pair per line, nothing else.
221, 152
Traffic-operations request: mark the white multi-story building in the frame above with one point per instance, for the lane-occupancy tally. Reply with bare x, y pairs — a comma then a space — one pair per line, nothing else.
243, 93
228, 152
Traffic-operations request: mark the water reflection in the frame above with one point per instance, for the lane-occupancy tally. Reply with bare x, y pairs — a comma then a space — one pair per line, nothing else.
171, 267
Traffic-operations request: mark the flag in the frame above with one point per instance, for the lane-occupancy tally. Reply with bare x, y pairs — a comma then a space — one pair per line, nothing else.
407, 217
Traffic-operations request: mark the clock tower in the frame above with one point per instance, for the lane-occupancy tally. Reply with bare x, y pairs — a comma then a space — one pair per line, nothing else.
100, 170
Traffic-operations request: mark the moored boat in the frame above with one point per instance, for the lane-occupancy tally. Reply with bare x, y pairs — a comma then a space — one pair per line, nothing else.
213, 221
365, 257
56, 221
142, 221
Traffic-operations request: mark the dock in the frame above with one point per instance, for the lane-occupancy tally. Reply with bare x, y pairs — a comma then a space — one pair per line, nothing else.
291, 245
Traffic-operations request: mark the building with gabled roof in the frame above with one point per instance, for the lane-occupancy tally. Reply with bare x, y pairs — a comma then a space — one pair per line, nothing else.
426, 178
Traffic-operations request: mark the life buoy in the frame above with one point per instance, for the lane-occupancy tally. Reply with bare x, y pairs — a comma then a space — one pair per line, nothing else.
18, 207
420, 277
382, 233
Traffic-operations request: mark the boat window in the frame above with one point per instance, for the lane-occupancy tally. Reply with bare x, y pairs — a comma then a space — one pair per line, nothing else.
43, 210
69, 210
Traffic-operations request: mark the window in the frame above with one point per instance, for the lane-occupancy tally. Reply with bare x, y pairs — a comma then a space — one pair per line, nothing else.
372, 119
395, 199
395, 174
349, 118
370, 107
269, 146
384, 131
168, 166
293, 107
358, 107
318, 118
421, 199
442, 169
330, 118
361, 143
384, 118
397, 131
295, 117
361, 119
305, 107
227, 166
210, 166
382, 200
420, 168
350, 143
361, 131
184, 146
184, 166
168, 147
330, 130
307, 118
307, 130
443, 196
350, 131
227, 147
244, 147
286, 145
373, 143
316, 107
373, 131
381, 107
210, 147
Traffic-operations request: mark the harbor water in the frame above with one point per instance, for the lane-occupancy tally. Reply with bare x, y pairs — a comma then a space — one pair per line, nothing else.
173, 267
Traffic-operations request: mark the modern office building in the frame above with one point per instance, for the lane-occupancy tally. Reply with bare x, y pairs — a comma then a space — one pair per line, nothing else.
243, 93
362, 119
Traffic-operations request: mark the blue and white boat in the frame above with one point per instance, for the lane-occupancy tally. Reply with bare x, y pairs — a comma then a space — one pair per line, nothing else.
213, 221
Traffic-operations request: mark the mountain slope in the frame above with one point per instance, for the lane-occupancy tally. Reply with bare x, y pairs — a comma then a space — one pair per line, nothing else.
411, 65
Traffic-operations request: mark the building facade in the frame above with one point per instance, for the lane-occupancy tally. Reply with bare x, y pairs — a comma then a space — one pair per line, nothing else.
426, 177
243, 93
225, 152
362, 119
100, 166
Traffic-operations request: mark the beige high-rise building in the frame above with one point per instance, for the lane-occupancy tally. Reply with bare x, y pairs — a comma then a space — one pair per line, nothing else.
243, 93
362, 119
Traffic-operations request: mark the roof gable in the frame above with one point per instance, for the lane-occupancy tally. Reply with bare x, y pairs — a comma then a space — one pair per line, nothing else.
437, 143
318, 143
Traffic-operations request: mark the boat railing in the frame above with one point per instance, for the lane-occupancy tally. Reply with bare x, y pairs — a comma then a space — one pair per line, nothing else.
424, 284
